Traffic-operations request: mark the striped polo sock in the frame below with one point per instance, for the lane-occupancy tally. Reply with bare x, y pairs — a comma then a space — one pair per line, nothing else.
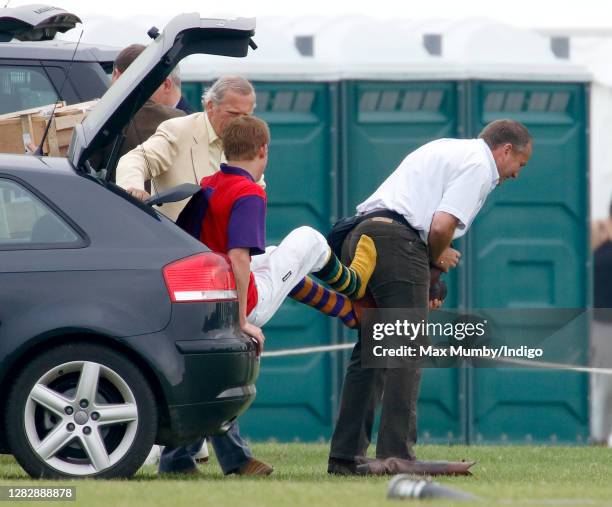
312, 293
351, 281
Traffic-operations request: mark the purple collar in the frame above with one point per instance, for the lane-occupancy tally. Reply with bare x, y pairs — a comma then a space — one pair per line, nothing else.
238, 171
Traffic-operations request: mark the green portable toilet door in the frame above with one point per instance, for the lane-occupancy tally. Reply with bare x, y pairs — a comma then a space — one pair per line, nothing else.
383, 122
296, 395
528, 249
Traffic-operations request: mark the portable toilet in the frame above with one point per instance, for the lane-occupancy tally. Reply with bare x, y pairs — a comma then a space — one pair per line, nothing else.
528, 248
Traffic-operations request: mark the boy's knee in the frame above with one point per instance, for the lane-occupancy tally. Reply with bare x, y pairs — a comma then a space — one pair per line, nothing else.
311, 238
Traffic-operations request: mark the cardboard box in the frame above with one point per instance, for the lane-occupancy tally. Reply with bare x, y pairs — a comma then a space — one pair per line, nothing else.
22, 127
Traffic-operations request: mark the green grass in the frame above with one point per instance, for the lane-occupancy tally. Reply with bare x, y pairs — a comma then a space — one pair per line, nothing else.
502, 476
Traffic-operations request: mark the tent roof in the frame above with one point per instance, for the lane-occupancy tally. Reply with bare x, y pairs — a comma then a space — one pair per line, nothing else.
359, 47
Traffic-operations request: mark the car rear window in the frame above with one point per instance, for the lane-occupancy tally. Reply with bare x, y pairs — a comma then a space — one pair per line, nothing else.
27, 222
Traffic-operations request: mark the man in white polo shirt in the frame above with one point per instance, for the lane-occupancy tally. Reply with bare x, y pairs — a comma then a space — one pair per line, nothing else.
429, 200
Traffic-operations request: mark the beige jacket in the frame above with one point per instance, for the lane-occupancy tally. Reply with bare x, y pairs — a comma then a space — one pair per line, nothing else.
182, 150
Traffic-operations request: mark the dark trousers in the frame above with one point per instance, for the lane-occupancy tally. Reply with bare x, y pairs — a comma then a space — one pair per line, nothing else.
231, 450
400, 280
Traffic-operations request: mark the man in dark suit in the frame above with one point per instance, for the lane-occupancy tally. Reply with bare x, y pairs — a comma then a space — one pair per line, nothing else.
169, 93
152, 112
601, 331
146, 120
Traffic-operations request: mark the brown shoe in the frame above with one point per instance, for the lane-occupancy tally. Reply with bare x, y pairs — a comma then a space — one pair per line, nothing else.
255, 467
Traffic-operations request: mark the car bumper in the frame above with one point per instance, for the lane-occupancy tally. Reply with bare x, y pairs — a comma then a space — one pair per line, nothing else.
204, 384
232, 367
190, 422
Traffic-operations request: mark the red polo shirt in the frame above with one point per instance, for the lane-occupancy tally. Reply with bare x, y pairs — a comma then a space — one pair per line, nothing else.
234, 216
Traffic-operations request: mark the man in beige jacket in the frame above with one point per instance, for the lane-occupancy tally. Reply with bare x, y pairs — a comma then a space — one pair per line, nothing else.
184, 150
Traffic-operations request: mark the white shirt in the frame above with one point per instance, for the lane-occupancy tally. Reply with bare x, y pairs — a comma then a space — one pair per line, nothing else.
450, 175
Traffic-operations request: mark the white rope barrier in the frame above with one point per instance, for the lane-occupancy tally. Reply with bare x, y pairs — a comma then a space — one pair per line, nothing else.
308, 350
518, 362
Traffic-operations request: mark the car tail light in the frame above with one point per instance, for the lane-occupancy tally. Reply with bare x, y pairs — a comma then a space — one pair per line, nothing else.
202, 277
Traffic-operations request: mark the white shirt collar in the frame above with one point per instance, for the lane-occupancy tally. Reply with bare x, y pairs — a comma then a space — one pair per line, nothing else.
212, 135
492, 164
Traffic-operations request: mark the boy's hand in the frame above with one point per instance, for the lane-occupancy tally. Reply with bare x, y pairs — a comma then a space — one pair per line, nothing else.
256, 333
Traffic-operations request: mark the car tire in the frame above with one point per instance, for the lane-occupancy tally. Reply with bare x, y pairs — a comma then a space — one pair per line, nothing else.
81, 410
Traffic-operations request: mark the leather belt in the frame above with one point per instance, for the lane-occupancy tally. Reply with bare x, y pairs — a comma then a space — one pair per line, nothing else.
387, 213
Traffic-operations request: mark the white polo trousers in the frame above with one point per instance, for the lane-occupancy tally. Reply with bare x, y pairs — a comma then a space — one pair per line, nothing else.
304, 250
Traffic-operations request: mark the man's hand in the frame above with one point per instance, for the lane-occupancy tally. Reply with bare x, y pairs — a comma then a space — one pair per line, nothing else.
449, 259
141, 195
434, 304
256, 333
441, 233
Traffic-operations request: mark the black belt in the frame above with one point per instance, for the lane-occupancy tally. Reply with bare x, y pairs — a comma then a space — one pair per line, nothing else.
387, 213
342, 228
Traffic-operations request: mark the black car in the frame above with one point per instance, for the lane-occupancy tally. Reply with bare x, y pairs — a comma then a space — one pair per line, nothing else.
32, 74
118, 330
36, 70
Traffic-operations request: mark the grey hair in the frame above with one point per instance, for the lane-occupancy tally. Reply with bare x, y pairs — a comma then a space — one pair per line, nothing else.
175, 77
224, 84
506, 131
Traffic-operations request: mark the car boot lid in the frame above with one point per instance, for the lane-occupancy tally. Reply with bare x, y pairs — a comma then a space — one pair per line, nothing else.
184, 35
34, 22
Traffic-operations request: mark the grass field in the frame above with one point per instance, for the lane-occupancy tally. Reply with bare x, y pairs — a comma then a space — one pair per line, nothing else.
557, 476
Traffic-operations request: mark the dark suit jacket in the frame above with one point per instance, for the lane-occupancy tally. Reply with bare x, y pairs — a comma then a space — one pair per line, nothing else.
145, 123
183, 105
602, 282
